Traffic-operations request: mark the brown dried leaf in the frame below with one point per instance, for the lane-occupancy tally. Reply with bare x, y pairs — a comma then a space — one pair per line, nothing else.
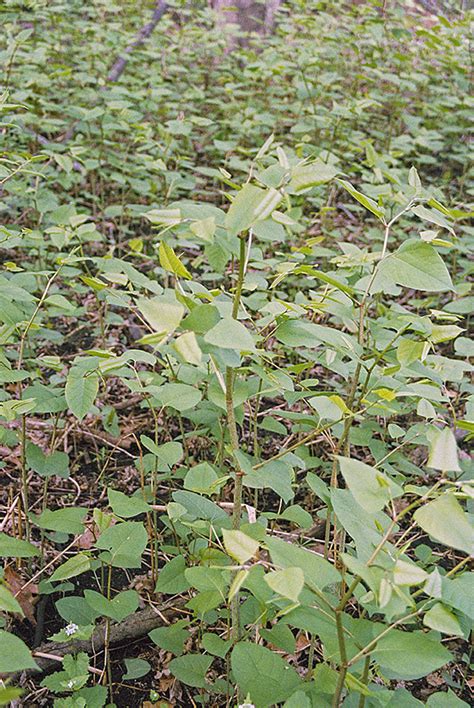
25, 596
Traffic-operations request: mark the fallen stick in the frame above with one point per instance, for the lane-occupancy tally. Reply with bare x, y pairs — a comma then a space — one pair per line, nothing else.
133, 627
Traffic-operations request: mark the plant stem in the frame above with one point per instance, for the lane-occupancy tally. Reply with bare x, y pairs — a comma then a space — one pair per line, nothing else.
234, 437
229, 397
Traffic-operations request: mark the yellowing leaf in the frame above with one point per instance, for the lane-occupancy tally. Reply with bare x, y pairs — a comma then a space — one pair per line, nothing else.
170, 261
239, 545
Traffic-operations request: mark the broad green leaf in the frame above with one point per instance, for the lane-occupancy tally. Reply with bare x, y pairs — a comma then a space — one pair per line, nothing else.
8, 602
440, 618
171, 638
125, 543
287, 583
163, 217
16, 548
239, 545
300, 333
191, 669
200, 507
409, 655
201, 479
445, 521
306, 176
204, 229
415, 265
318, 572
179, 396
251, 204
127, 507
15, 655
81, 391
119, 607
215, 645
370, 487
433, 216
186, 345
76, 565
56, 463
458, 593
262, 674
135, 668
445, 699
68, 520
405, 573
443, 451
171, 578
230, 334
163, 316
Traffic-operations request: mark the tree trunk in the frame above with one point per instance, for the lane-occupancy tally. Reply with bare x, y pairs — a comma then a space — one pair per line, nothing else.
250, 16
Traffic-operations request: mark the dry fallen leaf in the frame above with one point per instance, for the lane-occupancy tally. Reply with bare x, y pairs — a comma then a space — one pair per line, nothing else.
25, 596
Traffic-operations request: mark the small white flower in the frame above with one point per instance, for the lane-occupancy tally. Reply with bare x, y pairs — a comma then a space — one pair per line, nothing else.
70, 684
71, 629
246, 705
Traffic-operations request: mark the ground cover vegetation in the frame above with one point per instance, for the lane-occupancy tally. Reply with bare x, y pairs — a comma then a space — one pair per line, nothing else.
234, 326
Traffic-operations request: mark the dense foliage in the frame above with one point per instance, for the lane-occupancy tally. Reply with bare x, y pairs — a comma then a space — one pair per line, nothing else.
235, 299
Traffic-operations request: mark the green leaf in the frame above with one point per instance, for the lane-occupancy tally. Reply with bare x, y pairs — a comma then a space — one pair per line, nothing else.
239, 545
170, 261
306, 176
367, 202
8, 602
250, 205
443, 451
56, 463
300, 333
135, 669
433, 216
127, 507
179, 396
202, 479
81, 391
445, 699
287, 583
171, 638
409, 655
188, 348
443, 620
68, 520
15, 655
262, 674
370, 487
120, 607
200, 507
163, 316
8, 694
415, 265
318, 572
16, 548
458, 593
191, 669
445, 521
125, 543
230, 334
171, 578
76, 565
405, 573
163, 217
215, 645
